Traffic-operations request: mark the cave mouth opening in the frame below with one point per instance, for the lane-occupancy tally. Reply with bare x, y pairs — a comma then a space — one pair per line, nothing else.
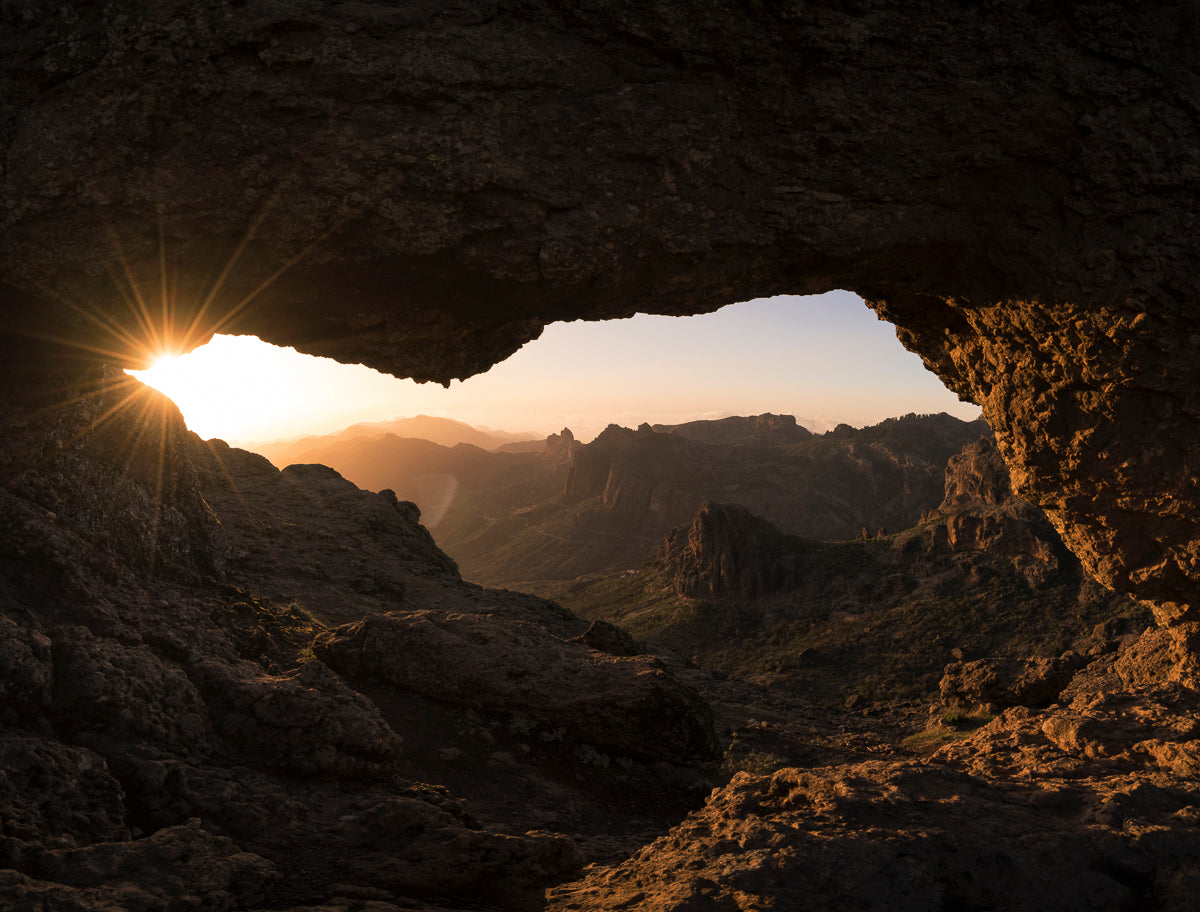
826, 359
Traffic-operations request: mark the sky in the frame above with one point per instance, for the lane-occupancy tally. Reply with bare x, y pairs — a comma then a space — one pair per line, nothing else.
826, 359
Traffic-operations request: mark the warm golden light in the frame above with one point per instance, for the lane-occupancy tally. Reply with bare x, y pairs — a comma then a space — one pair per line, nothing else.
825, 360
239, 388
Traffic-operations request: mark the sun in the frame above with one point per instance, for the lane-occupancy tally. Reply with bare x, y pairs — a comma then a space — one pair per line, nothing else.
242, 389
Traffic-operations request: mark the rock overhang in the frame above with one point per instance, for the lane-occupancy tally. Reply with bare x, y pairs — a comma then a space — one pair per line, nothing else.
422, 188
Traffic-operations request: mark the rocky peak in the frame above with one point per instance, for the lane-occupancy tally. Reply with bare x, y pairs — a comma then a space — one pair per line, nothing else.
977, 475
624, 466
726, 550
559, 446
981, 513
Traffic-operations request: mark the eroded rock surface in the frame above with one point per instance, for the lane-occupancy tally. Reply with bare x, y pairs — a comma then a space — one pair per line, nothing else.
727, 550
981, 513
423, 189
167, 730
912, 836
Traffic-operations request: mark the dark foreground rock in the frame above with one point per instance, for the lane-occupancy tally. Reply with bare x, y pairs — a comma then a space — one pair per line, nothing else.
915, 836
169, 738
1089, 804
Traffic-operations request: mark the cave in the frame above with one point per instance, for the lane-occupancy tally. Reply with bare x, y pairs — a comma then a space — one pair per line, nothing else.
422, 187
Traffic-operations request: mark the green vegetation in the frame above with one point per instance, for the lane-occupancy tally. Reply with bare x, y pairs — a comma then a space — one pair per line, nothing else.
265, 632
760, 763
952, 726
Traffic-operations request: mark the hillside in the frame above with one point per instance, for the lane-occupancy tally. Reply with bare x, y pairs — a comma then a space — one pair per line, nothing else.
228, 686
618, 495
527, 519
982, 575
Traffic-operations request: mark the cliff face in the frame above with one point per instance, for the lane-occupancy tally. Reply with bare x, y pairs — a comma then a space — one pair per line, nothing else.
981, 513
726, 551
421, 189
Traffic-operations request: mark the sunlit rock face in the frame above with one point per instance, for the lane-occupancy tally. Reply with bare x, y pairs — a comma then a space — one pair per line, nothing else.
421, 187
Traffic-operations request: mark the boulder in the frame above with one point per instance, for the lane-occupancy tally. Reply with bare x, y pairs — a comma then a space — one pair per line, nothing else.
623, 704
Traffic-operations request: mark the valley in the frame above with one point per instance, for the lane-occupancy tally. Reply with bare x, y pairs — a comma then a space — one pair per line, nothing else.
727, 666
655, 531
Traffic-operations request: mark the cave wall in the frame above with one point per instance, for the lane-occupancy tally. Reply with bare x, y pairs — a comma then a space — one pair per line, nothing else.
422, 186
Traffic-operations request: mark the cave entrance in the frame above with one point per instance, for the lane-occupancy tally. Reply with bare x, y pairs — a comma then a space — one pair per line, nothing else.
826, 359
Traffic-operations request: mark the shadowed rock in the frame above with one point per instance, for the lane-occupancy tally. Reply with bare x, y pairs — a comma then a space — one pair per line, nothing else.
422, 190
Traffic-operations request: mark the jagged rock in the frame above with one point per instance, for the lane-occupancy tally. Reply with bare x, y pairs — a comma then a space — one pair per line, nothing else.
139, 696
899, 836
977, 476
124, 694
627, 488
424, 191
26, 672
629, 705
53, 795
151, 874
610, 639
559, 447
981, 513
305, 722
107, 461
727, 550
315, 539
1008, 682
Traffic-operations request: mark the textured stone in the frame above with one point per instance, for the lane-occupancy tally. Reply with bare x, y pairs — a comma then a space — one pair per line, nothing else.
1007, 682
142, 694
306, 722
727, 551
150, 874
423, 190
26, 671
901, 836
125, 694
629, 705
981, 513
54, 794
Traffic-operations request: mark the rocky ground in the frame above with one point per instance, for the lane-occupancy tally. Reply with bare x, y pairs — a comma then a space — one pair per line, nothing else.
228, 687
231, 687
1090, 803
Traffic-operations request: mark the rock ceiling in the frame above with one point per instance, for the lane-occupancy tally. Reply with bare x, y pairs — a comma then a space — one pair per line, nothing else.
422, 186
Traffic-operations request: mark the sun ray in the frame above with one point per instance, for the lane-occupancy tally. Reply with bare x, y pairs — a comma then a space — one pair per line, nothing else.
166, 299
149, 408
134, 302
215, 453
88, 429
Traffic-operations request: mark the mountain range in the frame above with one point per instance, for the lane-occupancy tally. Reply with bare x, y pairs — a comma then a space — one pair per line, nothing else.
524, 520
442, 431
982, 574
231, 686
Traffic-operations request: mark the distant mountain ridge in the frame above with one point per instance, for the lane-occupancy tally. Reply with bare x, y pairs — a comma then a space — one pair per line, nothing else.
763, 429
442, 431
521, 519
